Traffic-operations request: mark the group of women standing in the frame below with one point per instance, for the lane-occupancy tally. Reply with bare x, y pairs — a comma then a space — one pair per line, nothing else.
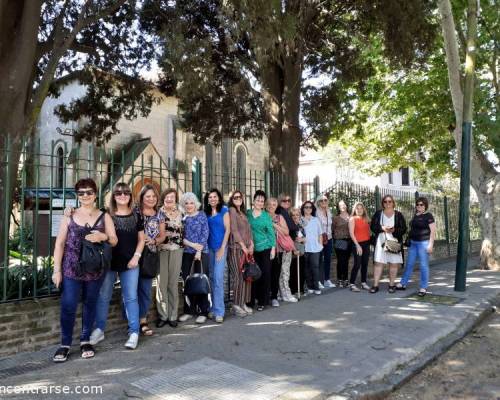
165, 236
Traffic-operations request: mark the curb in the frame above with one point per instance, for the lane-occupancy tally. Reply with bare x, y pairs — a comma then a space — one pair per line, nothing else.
380, 389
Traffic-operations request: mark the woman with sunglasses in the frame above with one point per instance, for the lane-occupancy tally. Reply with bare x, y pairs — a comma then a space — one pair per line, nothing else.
296, 283
240, 247
342, 242
422, 236
125, 263
73, 229
387, 224
325, 216
171, 250
313, 246
219, 228
264, 240
154, 231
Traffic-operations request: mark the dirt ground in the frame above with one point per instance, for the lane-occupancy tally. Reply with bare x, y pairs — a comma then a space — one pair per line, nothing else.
469, 370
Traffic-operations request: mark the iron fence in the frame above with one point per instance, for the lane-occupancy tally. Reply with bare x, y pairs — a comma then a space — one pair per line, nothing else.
40, 187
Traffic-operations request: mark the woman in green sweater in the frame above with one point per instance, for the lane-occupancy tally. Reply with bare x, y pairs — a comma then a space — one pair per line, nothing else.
264, 239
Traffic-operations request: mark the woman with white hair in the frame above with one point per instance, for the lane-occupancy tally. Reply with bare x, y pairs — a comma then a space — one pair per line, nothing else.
195, 249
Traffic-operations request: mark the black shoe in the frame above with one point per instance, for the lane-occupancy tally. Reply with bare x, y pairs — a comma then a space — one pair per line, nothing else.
173, 324
374, 289
391, 289
161, 323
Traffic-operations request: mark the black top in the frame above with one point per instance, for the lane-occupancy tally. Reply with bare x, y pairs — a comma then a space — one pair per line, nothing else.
127, 229
292, 227
399, 225
419, 227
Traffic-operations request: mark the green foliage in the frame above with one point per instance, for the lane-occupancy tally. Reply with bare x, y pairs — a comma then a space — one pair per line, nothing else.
21, 280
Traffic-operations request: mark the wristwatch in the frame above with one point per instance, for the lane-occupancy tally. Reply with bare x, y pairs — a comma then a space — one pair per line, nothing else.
138, 254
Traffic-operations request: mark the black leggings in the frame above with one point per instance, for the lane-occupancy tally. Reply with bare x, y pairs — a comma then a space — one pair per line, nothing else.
343, 263
199, 304
275, 275
360, 261
293, 274
261, 289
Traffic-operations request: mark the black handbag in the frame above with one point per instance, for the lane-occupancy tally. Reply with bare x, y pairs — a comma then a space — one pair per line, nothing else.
250, 270
197, 283
94, 257
149, 265
341, 244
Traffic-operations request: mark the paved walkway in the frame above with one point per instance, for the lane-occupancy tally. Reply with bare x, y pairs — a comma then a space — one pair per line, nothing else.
337, 345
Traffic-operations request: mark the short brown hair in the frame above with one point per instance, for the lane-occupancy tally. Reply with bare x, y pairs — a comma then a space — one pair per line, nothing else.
166, 192
86, 183
423, 200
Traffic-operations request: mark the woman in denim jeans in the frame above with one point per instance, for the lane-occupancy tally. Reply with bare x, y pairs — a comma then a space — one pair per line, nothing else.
219, 227
125, 263
154, 233
72, 231
325, 216
422, 235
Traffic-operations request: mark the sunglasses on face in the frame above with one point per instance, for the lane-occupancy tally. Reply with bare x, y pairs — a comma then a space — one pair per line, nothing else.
82, 193
420, 205
122, 193
307, 208
324, 200
387, 201
286, 200
236, 197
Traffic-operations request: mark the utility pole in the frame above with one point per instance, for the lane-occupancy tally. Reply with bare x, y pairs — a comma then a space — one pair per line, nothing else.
463, 222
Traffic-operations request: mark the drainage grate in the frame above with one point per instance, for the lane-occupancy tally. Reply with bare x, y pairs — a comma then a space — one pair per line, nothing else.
209, 379
435, 299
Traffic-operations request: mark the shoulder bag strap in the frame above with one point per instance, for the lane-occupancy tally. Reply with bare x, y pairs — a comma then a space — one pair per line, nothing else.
98, 220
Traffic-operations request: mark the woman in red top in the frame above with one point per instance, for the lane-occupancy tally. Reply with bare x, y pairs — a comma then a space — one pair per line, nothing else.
359, 230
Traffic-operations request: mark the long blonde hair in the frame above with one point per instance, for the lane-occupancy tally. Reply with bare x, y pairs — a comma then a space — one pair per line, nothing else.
365, 212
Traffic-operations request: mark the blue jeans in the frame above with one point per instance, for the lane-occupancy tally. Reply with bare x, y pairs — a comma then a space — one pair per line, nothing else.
128, 280
216, 273
326, 254
417, 249
72, 291
144, 296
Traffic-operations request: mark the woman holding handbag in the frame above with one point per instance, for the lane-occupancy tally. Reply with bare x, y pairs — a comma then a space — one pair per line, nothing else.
264, 239
125, 263
154, 231
167, 289
297, 266
74, 229
325, 216
195, 251
240, 247
342, 243
389, 226
281, 264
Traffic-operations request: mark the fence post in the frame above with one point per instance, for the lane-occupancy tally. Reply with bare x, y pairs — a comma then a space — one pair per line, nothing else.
446, 225
196, 177
378, 206
417, 195
6, 205
316, 187
267, 182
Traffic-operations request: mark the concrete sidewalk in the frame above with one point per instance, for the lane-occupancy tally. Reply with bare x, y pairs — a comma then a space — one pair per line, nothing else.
337, 345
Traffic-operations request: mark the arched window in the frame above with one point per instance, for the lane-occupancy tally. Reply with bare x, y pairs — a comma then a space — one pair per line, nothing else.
241, 168
60, 167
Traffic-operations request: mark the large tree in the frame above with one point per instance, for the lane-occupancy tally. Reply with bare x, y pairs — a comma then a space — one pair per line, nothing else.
415, 118
242, 67
45, 42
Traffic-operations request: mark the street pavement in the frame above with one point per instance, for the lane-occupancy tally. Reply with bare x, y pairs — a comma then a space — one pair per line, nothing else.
337, 345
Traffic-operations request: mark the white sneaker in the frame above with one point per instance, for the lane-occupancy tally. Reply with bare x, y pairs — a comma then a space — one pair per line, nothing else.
238, 311
365, 286
317, 292
132, 341
275, 303
329, 284
185, 317
309, 291
249, 310
291, 299
201, 319
320, 285
219, 319
96, 336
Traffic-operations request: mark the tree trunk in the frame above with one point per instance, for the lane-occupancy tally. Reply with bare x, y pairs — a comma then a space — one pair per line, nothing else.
281, 92
19, 22
484, 178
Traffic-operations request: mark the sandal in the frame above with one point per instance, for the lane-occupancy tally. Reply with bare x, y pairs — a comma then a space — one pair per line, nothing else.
422, 292
391, 289
399, 286
260, 308
146, 330
61, 354
87, 350
374, 289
